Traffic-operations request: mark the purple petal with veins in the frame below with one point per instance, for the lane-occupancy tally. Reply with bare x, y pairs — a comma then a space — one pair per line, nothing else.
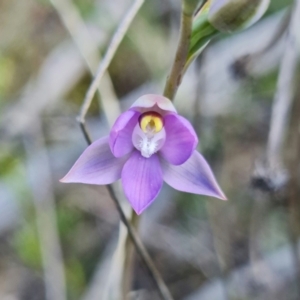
96, 165
142, 180
121, 132
181, 139
194, 176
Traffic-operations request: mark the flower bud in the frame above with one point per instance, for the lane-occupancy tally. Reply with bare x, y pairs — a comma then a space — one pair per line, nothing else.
231, 15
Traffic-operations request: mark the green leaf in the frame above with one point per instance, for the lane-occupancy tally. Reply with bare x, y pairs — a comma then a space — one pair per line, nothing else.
202, 33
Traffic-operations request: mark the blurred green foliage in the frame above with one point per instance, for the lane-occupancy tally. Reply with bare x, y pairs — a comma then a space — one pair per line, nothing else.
27, 245
7, 73
86, 7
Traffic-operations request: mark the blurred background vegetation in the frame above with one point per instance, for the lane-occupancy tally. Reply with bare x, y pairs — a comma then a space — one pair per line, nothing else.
204, 248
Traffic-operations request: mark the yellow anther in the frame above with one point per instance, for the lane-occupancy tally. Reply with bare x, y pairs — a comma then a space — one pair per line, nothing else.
151, 121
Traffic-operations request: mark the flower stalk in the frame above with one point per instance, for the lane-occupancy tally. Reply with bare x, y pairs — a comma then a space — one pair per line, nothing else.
174, 79
140, 248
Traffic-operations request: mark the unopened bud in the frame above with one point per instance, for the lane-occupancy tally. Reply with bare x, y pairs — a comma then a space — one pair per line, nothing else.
231, 15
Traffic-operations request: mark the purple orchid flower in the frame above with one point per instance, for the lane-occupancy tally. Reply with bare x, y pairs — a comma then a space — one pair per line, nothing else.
148, 144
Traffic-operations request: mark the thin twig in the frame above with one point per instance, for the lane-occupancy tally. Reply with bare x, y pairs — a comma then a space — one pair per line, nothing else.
161, 286
174, 79
113, 46
44, 203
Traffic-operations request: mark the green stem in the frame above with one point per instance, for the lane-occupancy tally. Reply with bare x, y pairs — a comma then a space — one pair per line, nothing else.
140, 248
174, 79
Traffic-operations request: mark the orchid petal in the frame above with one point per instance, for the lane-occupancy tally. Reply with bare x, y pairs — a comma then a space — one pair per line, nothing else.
96, 165
181, 139
142, 180
194, 176
151, 100
121, 132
